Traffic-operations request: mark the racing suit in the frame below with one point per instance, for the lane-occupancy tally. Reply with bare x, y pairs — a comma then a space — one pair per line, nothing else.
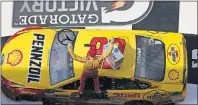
91, 66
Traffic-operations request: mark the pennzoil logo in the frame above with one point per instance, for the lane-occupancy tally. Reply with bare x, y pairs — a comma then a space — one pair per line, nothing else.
156, 95
36, 57
15, 57
173, 54
79, 12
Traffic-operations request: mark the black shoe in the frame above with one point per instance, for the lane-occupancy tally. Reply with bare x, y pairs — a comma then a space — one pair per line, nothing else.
82, 95
98, 95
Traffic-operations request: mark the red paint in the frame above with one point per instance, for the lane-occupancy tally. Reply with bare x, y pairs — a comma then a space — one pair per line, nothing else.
177, 54
121, 44
6, 82
21, 91
103, 41
92, 51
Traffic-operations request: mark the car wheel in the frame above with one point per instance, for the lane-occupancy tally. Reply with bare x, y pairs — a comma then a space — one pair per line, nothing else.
47, 101
138, 103
29, 98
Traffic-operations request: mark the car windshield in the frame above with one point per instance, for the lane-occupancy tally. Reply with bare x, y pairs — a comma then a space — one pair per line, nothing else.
61, 64
150, 59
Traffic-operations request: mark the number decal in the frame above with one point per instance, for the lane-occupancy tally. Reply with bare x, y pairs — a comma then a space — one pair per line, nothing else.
103, 41
121, 44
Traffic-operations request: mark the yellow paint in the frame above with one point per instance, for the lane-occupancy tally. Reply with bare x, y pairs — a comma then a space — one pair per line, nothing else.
19, 73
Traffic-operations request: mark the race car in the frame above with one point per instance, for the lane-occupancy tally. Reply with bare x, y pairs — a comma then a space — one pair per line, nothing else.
145, 67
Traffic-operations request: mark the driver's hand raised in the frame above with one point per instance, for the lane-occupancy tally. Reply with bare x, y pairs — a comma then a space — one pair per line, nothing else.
70, 46
111, 40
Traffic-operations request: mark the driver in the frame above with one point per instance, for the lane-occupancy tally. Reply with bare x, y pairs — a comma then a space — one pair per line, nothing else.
91, 65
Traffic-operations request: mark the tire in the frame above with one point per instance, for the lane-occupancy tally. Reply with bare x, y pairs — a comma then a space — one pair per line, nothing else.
47, 101
138, 103
29, 98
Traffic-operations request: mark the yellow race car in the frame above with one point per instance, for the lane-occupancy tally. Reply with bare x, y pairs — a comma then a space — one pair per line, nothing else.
145, 67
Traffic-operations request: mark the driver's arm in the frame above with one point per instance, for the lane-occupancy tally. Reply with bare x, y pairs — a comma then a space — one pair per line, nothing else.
75, 57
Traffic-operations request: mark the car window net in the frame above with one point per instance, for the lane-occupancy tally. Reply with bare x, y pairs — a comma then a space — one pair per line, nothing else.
150, 59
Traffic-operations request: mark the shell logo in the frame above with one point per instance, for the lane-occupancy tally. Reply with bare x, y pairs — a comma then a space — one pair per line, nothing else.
15, 57
173, 75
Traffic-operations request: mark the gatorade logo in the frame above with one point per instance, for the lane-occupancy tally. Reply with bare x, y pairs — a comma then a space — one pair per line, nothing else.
79, 13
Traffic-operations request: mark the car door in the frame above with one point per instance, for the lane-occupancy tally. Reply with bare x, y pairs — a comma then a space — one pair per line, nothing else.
126, 89
68, 90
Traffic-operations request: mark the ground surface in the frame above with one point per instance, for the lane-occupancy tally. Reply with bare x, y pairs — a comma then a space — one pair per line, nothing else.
191, 98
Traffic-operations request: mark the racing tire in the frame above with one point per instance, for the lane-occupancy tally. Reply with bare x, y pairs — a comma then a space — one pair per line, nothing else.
48, 101
138, 103
29, 98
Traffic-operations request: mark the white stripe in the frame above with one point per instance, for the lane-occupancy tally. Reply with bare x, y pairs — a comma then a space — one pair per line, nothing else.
188, 17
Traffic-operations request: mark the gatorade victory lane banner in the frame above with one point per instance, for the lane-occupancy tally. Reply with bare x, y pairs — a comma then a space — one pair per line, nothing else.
168, 16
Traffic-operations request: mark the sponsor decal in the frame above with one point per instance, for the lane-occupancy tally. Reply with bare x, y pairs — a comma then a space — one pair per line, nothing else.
139, 59
156, 95
103, 43
36, 58
15, 57
130, 95
79, 13
66, 36
173, 75
28, 92
149, 41
173, 54
2, 59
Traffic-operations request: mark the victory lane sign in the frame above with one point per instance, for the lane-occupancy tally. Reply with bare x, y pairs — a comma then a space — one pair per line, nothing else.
78, 13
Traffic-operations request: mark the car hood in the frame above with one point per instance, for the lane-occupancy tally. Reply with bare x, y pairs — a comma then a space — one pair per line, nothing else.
25, 57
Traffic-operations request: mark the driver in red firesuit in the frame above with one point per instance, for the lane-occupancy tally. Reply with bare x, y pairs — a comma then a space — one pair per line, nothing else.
91, 65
